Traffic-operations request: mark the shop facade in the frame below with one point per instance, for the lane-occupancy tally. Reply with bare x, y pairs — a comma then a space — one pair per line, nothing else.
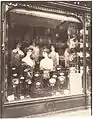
38, 28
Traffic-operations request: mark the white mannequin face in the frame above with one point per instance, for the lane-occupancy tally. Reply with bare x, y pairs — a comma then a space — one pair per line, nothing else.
18, 45
29, 52
45, 54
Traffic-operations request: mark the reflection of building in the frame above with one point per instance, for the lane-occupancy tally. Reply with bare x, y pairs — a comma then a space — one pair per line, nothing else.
47, 23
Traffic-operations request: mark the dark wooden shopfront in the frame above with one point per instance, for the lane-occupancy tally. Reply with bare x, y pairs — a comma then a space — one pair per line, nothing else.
47, 104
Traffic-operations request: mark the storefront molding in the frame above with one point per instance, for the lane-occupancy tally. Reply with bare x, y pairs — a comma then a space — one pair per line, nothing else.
72, 7
27, 108
67, 111
49, 7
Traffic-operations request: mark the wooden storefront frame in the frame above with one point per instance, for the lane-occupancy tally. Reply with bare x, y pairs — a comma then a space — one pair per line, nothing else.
51, 104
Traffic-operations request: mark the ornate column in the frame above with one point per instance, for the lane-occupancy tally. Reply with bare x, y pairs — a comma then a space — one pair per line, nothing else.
3, 34
84, 58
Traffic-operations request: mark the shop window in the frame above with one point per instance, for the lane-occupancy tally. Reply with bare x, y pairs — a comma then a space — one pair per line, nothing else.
43, 62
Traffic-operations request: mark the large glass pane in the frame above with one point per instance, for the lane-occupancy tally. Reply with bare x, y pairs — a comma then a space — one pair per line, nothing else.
43, 62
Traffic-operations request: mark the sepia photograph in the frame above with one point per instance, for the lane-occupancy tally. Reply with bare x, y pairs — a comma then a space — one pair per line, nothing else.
45, 59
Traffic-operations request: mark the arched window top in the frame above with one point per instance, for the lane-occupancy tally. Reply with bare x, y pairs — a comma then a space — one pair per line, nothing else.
40, 18
53, 16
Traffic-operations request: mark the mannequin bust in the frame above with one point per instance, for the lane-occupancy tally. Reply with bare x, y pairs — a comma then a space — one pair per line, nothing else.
54, 56
35, 54
46, 63
16, 56
28, 64
27, 59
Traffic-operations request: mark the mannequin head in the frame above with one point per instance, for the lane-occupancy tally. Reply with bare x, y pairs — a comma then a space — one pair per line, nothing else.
18, 45
52, 48
29, 52
45, 53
